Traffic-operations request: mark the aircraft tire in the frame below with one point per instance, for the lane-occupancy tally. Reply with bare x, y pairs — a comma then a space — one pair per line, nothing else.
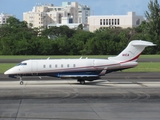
21, 82
82, 82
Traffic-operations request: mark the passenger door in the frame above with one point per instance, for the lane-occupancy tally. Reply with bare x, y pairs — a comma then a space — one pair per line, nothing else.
34, 67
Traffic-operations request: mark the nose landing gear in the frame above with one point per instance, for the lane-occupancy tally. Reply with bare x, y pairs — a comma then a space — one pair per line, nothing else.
21, 81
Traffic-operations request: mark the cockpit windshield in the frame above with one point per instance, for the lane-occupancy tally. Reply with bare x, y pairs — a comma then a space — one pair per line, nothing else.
22, 64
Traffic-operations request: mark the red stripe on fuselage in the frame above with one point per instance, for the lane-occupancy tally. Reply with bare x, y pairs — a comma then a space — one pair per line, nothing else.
132, 59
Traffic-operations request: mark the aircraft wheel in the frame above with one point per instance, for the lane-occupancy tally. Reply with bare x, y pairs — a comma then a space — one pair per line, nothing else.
82, 82
21, 82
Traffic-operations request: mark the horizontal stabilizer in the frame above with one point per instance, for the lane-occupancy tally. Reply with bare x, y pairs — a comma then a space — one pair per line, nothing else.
132, 51
142, 43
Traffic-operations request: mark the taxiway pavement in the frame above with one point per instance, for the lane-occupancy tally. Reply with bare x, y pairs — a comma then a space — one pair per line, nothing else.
117, 96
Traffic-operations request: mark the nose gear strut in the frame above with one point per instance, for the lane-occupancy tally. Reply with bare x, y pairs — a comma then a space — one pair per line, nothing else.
21, 81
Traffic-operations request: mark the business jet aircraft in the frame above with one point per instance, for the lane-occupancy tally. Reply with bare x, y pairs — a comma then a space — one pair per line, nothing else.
80, 69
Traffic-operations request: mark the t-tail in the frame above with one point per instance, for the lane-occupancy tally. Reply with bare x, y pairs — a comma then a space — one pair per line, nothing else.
132, 51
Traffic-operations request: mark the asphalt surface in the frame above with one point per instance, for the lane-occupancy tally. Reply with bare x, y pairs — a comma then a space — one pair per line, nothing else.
114, 76
117, 96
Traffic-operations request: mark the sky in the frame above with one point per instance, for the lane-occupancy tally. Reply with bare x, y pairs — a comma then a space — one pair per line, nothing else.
98, 7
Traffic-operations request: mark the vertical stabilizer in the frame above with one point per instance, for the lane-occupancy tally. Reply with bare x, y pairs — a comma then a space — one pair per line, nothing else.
132, 51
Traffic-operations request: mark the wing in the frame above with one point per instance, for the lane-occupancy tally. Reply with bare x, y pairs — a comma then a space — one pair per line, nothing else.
103, 72
77, 76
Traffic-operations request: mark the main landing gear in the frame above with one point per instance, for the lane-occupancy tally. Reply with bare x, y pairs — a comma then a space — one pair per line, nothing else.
81, 81
21, 81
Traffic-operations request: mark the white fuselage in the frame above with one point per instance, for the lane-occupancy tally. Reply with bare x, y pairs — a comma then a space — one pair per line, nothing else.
59, 66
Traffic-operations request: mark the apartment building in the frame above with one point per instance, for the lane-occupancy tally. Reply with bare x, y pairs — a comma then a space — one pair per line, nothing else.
42, 15
130, 20
83, 13
4, 17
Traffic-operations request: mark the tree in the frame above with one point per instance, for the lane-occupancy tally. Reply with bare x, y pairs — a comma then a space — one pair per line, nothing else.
80, 27
16, 23
58, 32
153, 24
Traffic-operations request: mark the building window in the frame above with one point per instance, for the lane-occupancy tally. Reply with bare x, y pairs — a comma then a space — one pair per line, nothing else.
118, 21
100, 21
103, 21
109, 21
138, 22
106, 21
115, 22
112, 21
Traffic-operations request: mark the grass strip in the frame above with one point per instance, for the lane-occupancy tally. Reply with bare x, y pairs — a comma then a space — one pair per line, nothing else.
6, 66
145, 67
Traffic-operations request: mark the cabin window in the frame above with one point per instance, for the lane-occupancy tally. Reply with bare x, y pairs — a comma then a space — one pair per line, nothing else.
44, 66
55, 65
67, 65
50, 66
61, 65
74, 65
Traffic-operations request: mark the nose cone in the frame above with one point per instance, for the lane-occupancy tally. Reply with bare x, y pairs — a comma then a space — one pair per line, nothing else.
6, 73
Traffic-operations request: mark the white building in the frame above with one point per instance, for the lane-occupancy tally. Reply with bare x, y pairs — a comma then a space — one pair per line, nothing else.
42, 15
65, 21
83, 14
4, 17
124, 21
